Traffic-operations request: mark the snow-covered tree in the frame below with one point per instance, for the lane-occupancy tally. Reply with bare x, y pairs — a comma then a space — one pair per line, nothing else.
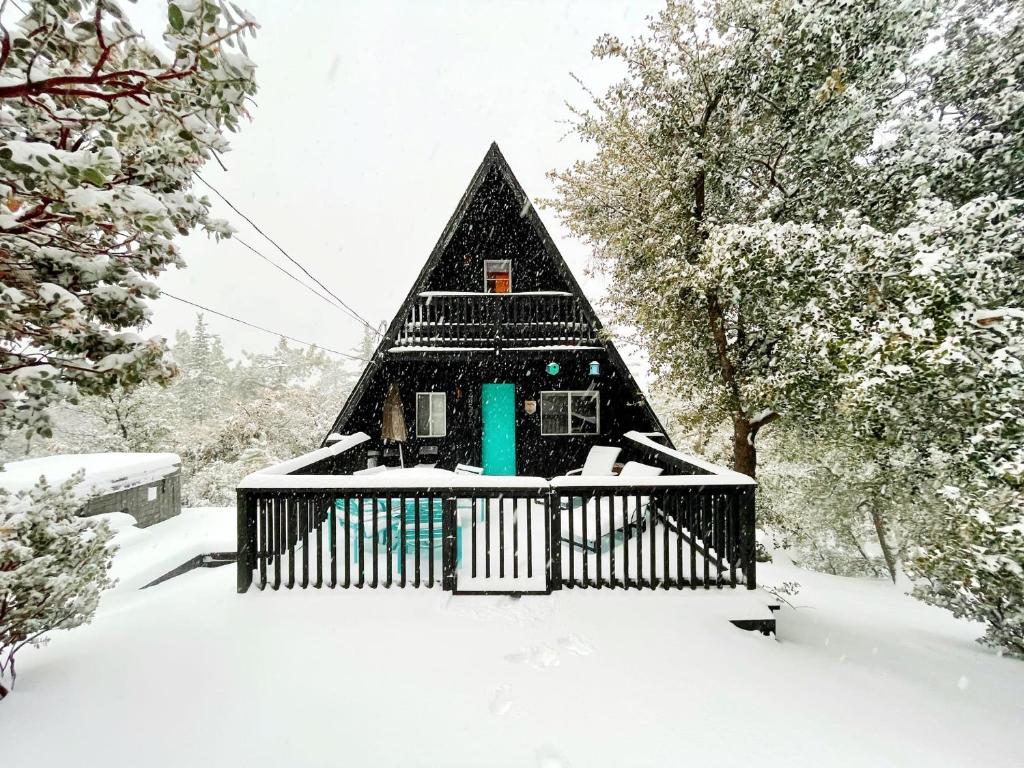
922, 296
841, 504
941, 363
224, 418
53, 567
279, 404
100, 133
817, 212
204, 372
732, 112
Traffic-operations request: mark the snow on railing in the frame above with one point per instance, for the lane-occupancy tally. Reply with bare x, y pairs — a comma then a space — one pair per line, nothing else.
291, 465
723, 475
426, 480
284, 474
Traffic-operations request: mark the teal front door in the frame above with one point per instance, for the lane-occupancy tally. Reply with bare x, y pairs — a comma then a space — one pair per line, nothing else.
498, 404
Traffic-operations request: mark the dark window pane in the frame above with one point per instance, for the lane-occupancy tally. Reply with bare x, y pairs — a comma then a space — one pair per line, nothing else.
554, 413
584, 413
423, 414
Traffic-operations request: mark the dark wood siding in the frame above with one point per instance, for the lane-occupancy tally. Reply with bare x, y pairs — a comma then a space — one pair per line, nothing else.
455, 344
495, 227
461, 377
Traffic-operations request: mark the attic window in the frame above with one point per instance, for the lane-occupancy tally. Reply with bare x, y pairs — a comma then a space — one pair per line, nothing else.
498, 275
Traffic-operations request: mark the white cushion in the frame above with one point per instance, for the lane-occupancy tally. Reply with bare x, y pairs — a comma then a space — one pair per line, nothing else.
601, 460
638, 469
372, 470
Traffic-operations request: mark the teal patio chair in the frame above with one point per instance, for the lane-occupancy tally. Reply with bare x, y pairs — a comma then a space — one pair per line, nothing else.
430, 525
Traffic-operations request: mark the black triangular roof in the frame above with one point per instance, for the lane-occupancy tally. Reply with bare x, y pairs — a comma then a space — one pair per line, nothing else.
493, 160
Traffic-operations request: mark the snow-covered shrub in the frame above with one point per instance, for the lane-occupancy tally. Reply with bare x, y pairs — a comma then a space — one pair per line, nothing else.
53, 567
971, 561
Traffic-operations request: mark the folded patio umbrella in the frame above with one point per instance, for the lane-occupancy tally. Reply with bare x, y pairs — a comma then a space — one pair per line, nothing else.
392, 426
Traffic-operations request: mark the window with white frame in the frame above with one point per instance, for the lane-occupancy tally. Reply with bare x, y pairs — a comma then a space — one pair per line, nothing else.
570, 413
498, 275
431, 414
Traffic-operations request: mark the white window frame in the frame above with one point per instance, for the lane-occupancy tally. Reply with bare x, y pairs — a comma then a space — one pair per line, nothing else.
488, 262
430, 414
570, 394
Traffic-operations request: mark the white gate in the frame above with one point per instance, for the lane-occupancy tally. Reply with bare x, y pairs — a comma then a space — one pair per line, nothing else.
502, 545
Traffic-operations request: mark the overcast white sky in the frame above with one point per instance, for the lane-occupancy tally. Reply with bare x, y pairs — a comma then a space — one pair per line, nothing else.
371, 118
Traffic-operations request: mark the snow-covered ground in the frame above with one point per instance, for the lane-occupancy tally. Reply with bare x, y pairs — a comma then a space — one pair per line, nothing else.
191, 673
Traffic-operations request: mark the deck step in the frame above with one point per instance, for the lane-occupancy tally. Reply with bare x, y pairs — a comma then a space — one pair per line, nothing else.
209, 560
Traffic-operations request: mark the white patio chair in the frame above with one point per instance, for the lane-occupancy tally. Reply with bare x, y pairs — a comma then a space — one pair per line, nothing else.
600, 462
626, 510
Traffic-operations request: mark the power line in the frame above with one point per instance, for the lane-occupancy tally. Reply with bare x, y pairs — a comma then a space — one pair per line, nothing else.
288, 256
278, 267
261, 328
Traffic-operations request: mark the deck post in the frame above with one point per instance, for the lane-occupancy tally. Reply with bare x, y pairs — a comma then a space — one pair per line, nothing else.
749, 544
449, 544
246, 558
554, 539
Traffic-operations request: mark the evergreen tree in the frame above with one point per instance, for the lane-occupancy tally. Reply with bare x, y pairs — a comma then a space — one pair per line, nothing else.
204, 378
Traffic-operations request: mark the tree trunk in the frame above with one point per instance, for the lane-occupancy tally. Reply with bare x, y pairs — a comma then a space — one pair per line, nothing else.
864, 555
883, 542
744, 454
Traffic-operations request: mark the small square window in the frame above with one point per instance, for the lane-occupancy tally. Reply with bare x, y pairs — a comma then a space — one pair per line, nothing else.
570, 413
498, 275
431, 414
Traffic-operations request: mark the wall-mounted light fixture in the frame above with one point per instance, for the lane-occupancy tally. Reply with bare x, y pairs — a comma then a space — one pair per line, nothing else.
595, 368
553, 368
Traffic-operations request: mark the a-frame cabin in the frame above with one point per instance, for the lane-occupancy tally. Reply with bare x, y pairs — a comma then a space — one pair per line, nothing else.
499, 359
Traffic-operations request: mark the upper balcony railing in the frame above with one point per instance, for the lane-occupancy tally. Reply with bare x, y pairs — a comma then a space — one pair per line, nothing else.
496, 320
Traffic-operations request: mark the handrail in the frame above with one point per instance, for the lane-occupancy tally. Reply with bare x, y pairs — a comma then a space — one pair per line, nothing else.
733, 477
284, 468
352, 483
649, 534
446, 319
661, 481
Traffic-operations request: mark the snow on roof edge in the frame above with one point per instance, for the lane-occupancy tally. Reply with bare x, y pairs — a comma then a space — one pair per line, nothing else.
104, 472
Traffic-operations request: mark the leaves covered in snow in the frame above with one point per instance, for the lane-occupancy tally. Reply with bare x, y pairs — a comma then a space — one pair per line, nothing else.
100, 132
53, 567
817, 213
